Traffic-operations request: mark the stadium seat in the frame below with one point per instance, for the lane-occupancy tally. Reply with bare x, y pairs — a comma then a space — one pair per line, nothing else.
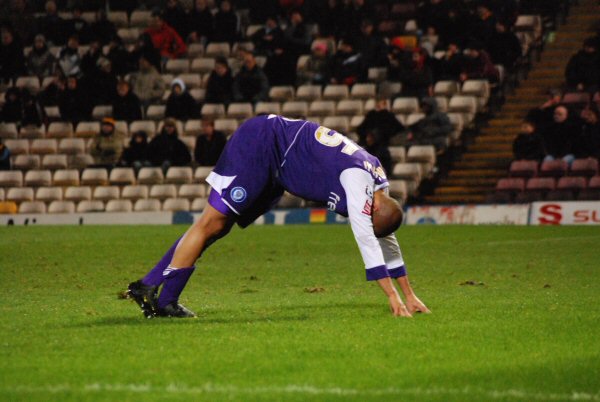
446, 88
163, 191
87, 129
191, 80
414, 118
340, 124
94, 176
465, 105
80, 161
122, 176
377, 74
192, 127
26, 162
574, 99
356, 121
2, 194
267, 108
32, 132
216, 49
90, 206
177, 66
584, 167
38, 178
405, 105
421, 154
349, 107
48, 194
201, 173
537, 188
198, 94
442, 103
555, 168
106, 193
176, 204
336, 92
281, 93
198, 204
129, 35
363, 91
398, 153
119, 18
19, 194
78, 193
140, 18
54, 162
101, 111
510, 187
240, 110
17, 147
288, 200
147, 205
213, 110
190, 142
134, 192
156, 112
227, 126
321, 108
202, 65
295, 109
150, 175
457, 121
119, 206
30, 82
148, 126
388, 89
478, 88
32, 207
191, 191
407, 171
308, 92
195, 50
523, 168
302, 62
66, 177
43, 146
52, 112
71, 146
8, 130
398, 190
179, 175
61, 207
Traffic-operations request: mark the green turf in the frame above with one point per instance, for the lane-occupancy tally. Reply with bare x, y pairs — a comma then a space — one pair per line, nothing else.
526, 329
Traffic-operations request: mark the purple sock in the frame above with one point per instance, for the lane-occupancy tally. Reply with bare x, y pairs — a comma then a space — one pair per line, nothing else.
155, 276
175, 281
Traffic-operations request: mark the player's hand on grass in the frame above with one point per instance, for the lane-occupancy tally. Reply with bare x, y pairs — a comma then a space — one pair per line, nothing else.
414, 305
398, 308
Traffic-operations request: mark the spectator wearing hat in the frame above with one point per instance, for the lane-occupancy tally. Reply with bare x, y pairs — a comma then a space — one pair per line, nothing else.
250, 83
317, 69
166, 149
209, 144
107, 146
164, 38
147, 83
180, 104
219, 88
4, 156
126, 105
583, 69
136, 154
40, 62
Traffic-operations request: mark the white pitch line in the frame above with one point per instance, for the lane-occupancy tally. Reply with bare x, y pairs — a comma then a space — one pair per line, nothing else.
210, 388
549, 239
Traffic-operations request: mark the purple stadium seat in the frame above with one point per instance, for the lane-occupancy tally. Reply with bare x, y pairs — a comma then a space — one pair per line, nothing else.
584, 167
523, 168
576, 98
593, 190
507, 188
555, 168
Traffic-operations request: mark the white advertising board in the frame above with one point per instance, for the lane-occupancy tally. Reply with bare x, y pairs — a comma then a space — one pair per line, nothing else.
469, 215
565, 213
98, 218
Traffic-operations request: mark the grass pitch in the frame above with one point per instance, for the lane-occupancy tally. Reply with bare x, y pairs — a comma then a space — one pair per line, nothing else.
285, 314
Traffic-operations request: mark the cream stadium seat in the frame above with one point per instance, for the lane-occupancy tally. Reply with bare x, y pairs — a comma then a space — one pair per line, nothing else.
398, 190
26, 162
32, 207
20, 194
227, 126
240, 111
87, 129
78, 193
80, 161
179, 175
198, 204
340, 124
202, 65
356, 121
177, 66
119, 206
66, 177
71, 146
267, 108
140, 18
192, 127
308, 92
446, 88
122, 176
322, 108
150, 175
90, 206
32, 132
49, 194
295, 109
147, 205
94, 176
191, 191
61, 207
405, 105
195, 50
336, 92
101, 111
17, 147
156, 112
349, 107
202, 173
134, 192
163, 191
8, 130
213, 110
106, 193
282, 93
363, 91
38, 178
176, 204
54, 162
43, 146
414, 118
216, 49
148, 126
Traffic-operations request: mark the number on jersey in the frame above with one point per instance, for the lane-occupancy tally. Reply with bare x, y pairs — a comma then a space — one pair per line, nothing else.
332, 138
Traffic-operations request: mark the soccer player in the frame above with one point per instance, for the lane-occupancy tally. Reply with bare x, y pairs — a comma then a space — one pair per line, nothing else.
264, 157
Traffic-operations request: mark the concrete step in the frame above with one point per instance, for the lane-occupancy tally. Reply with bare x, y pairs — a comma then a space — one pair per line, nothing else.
487, 156
470, 173
488, 147
495, 139
461, 190
489, 182
482, 164
455, 199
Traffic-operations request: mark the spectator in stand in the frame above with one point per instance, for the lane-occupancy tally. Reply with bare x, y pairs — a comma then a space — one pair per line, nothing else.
126, 105
89, 61
40, 62
583, 70
478, 65
528, 144
330, 18
429, 40
12, 110
297, 35
69, 60
348, 66
102, 29
433, 13
226, 23
451, 65
74, 104
118, 56
558, 136
379, 150
269, 36
381, 122
77, 26
33, 112
317, 69
166, 150
49, 95
201, 23
250, 83
354, 11
219, 88
587, 143
371, 46
180, 104
504, 47
399, 60
209, 144
4, 156
21, 19
147, 83
144, 47
164, 38
107, 146
417, 79
101, 83
136, 154
280, 68
433, 129
12, 61
176, 18
543, 115
484, 25
51, 25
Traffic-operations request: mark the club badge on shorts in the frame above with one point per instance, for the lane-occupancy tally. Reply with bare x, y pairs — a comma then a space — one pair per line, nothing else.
238, 194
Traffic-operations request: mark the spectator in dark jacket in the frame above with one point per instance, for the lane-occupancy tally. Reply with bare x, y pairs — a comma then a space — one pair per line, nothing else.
74, 104
417, 79
583, 69
69, 59
78, 26
126, 105
226, 23
378, 150
381, 122
12, 61
250, 83
219, 88
101, 83
102, 29
528, 144
4, 156
201, 23
51, 25
586, 143
558, 136
451, 65
175, 16
12, 110
166, 150
209, 144
181, 105
348, 65
371, 46
504, 47
478, 65
433, 129
280, 68
297, 35
33, 113
136, 154
317, 69
40, 62
144, 48
269, 36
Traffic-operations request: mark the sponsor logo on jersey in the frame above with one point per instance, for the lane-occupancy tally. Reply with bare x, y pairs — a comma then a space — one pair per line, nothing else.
376, 171
369, 191
333, 200
238, 194
368, 208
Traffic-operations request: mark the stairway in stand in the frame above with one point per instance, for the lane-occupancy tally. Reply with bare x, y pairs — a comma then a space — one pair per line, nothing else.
474, 175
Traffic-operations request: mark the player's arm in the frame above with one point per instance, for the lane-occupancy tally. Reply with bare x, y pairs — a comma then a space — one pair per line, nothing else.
358, 185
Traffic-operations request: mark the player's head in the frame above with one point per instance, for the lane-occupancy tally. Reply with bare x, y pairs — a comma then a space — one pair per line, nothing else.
387, 214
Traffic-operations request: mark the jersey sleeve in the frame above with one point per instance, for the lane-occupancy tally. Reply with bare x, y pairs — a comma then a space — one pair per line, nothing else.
359, 185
